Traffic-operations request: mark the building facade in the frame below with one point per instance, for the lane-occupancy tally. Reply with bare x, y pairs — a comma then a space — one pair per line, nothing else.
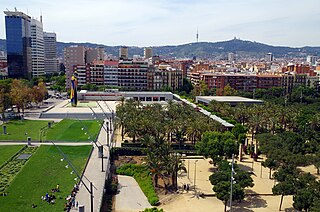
74, 55
18, 41
37, 46
133, 75
50, 53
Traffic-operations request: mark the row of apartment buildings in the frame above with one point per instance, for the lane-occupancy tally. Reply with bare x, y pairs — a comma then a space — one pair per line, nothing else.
129, 75
291, 76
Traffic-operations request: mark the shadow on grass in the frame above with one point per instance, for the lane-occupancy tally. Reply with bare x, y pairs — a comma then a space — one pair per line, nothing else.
250, 202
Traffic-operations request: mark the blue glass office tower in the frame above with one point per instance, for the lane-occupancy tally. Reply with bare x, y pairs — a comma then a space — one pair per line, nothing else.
18, 38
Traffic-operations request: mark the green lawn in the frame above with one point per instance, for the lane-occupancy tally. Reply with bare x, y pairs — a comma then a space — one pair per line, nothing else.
44, 171
71, 130
18, 130
7, 152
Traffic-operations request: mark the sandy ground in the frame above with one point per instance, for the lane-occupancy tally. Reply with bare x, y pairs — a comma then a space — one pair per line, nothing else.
189, 202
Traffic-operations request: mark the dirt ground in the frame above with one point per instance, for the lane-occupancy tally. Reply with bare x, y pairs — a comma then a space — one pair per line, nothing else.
261, 200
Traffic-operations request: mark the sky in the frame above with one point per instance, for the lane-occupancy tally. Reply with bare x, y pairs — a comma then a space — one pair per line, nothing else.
293, 23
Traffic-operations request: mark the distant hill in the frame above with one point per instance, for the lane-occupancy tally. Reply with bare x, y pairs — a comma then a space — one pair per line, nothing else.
204, 49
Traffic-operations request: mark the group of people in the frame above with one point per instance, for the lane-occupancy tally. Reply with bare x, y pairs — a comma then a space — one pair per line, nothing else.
186, 187
71, 199
50, 198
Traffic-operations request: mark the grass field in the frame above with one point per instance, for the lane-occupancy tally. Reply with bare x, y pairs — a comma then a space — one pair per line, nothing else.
71, 130
44, 171
8, 151
66, 130
18, 130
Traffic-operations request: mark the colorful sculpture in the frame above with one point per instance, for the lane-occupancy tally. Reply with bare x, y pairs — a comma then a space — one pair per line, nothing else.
73, 94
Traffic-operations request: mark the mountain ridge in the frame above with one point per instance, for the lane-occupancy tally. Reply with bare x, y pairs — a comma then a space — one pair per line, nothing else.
218, 50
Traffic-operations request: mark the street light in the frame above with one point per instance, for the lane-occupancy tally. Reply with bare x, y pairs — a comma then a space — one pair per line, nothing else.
232, 181
78, 176
195, 174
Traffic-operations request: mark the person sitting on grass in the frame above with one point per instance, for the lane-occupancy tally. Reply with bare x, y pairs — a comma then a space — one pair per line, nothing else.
33, 205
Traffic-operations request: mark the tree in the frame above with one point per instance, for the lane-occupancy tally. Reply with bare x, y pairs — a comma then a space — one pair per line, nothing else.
222, 185
286, 176
217, 145
5, 100
186, 86
21, 94
229, 91
271, 164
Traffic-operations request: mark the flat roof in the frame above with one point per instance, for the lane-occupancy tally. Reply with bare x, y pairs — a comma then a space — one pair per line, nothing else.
228, 99
205, 112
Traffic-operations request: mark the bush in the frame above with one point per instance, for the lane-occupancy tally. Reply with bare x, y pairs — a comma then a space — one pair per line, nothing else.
142, 175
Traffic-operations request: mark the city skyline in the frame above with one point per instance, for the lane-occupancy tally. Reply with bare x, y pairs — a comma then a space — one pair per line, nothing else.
145, 23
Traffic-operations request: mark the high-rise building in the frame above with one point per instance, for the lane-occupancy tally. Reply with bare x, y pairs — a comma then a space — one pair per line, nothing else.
74, 55
231, 57
37, 46
101, 52
269, 57
18, 40
50, 53
312, 60
92, 55
123, 52
148, 52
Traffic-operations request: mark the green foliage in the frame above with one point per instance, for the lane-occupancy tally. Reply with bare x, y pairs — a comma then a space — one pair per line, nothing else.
186, 86
58, 83
153, 210
66, 130
221, 182
29, 185
217, 145
142, 175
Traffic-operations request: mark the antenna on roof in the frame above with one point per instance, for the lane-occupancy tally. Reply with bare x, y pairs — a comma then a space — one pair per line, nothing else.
40, 15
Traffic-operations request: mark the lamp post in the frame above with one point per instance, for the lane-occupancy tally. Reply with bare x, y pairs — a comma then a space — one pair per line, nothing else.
195, 174
188, 167
231, 180
78, 176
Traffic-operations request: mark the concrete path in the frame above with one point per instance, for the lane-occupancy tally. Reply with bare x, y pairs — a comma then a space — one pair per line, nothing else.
130, 196
94, 174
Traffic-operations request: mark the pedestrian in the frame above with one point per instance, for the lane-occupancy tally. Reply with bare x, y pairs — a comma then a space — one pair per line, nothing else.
188, 187
184, 186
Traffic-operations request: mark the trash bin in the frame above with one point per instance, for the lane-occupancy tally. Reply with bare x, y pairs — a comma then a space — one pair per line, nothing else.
100, 149
29, 140
81, 208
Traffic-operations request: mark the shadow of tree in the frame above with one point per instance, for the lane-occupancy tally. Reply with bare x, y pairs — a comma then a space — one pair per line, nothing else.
245, 168
252, 201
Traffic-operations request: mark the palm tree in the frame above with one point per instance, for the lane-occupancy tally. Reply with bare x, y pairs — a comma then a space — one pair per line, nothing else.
120, 116
175, 164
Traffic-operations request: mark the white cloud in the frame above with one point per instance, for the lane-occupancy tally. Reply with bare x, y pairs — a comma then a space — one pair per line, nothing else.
164, 22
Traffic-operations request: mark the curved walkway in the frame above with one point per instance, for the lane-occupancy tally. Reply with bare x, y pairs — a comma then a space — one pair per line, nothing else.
130, 196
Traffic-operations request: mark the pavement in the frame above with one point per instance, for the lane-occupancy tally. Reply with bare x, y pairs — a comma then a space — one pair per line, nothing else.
94, 174
130, 196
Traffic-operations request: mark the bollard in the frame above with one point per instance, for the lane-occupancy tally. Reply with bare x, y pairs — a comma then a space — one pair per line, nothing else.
100, 150
29, 141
